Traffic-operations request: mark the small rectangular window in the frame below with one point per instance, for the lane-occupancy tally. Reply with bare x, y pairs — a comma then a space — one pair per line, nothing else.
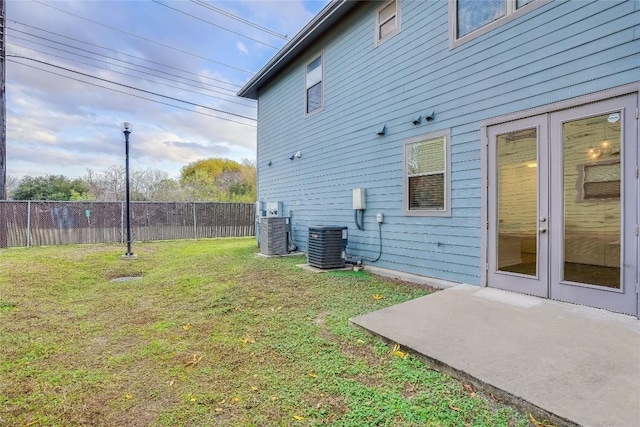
314, 92
474, 14
427, 187
387, 21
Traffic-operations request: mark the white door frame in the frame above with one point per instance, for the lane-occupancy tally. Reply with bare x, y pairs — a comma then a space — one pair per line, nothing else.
612, 299
633, 88
537, 284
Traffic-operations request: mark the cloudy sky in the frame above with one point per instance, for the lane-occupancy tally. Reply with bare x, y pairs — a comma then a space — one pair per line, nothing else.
190, 50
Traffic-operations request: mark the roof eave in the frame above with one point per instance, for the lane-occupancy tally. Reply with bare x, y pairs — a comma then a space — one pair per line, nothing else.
310, 33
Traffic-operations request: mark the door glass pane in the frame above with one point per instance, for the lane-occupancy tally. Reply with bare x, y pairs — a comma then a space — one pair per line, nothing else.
592, 200
518, 202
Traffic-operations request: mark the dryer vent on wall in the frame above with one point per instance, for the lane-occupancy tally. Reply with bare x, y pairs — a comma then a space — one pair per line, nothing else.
326, 246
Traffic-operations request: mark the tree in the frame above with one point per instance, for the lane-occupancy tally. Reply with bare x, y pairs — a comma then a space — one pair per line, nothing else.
167, 190
107, 186
50, 187
213, 167
147, 184
200, 186
219, 179
11, 185
249, 173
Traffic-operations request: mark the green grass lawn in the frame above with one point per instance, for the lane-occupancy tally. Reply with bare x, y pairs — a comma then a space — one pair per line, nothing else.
211, 335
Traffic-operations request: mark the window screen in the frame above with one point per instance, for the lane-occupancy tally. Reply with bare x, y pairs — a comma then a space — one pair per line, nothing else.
314, 84
425, 165
387, 20
473, 14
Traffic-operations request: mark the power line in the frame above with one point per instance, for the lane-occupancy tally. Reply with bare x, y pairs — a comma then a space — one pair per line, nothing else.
239, 19
215, 25
121, 53
115, 59
131, 94
126, 68
230, 95
140, 90
143, 38
128, 75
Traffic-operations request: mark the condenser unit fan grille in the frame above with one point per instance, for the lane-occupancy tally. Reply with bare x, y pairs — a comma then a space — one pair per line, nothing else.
326, 247
273, 235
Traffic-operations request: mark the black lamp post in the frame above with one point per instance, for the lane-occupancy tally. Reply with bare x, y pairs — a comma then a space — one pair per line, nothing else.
127, 128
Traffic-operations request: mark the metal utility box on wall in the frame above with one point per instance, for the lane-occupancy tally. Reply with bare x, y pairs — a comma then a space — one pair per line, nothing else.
359, 199
274, 209
273, 235
326, 246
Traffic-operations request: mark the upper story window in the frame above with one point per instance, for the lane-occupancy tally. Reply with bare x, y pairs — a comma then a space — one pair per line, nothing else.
474, 14
387, 21
427, 188
469, 19
313, 82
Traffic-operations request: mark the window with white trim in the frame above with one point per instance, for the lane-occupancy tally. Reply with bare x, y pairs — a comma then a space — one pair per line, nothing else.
387, 21
427, 175
471, 18
314, 93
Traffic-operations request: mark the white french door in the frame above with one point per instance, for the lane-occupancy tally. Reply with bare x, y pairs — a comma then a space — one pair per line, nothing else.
563, 205
519, 207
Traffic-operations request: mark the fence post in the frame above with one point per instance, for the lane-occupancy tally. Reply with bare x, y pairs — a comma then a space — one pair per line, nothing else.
29, 223
4, 224
121, 222
195, 230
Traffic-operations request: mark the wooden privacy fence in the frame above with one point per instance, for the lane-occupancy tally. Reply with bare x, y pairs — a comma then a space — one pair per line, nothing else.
31, 223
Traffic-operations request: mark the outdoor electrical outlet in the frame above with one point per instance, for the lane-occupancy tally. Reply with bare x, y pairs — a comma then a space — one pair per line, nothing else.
380, 218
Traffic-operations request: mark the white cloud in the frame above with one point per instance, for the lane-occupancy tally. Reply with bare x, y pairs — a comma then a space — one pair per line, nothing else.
242, 48
58, 125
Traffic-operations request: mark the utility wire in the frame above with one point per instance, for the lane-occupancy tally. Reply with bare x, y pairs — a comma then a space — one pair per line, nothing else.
215, 25
128, 75
140, 90
231, 95
144, 38
131, 94
121, 53
239, 19
114, 59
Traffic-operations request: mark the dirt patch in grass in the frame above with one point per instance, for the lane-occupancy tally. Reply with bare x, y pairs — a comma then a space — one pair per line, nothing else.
124, 275
126, 279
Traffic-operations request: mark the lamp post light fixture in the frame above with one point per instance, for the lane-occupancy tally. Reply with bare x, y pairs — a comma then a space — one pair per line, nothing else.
127, 128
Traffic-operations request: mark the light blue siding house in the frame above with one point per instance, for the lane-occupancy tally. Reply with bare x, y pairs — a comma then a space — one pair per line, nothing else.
499, 139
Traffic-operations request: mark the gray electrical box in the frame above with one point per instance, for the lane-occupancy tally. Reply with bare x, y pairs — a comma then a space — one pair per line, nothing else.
359, 199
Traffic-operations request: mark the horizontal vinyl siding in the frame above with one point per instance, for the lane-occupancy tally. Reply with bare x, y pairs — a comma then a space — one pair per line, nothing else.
558, 51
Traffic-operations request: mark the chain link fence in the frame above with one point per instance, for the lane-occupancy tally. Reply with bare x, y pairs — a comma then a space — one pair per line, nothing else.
37, 223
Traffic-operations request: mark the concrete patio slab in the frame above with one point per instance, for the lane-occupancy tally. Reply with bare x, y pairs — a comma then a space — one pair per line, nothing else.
575, 365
